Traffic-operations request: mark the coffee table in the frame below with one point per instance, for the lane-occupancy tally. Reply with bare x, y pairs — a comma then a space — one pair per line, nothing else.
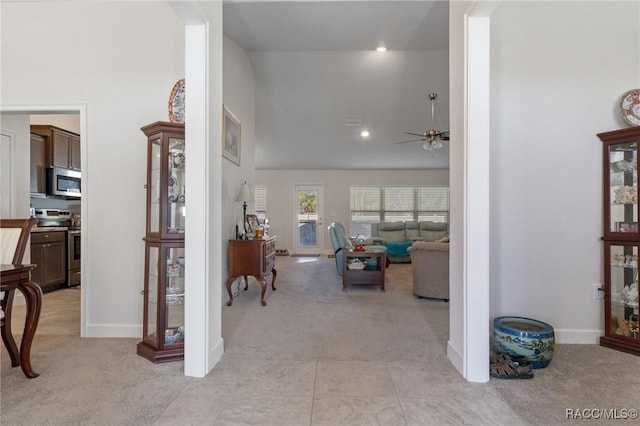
371, 274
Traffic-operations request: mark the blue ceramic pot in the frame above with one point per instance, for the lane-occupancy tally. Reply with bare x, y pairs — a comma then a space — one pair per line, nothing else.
525, 338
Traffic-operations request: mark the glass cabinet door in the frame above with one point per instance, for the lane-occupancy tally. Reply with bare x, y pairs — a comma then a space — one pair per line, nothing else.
164, 295
151, 296
623, 187
153, 185
175, 189
174, 296
622, 291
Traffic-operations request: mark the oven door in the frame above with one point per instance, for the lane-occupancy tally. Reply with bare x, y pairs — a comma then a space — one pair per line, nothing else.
73, 257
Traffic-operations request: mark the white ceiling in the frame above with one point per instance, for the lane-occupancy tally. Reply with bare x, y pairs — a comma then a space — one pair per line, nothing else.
315, 66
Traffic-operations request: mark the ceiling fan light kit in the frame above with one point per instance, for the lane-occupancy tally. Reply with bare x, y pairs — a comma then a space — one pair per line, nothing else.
432, 138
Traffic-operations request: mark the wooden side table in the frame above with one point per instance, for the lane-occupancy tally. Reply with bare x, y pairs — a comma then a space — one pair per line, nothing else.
255, 257
368, 275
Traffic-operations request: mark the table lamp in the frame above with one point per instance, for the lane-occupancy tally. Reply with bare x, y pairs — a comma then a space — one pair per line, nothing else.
245, 194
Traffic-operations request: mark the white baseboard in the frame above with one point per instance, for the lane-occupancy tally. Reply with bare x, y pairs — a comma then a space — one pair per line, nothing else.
577, 337
215, 354
455, 356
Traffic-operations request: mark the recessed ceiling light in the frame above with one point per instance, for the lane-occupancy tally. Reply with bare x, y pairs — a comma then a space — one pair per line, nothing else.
364, 133
381, 49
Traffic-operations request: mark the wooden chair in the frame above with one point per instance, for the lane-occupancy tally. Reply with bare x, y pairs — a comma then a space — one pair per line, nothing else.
14, 236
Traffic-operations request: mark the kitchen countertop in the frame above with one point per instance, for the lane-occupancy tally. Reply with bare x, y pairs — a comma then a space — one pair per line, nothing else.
49, 228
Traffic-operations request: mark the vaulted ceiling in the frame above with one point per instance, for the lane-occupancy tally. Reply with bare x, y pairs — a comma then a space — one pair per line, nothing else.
320, 82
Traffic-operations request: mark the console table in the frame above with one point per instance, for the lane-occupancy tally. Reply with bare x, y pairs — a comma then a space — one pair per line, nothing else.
368, 275
255, 257
19, 277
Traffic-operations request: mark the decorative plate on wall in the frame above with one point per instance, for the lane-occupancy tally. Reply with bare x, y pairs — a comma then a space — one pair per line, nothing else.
176, 103
630, 107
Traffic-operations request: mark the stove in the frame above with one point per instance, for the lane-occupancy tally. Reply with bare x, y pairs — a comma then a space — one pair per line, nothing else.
52, 217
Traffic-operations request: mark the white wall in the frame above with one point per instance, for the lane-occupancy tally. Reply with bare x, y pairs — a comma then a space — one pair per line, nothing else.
120, 59
456, 344
16, 204
239, 97
280, 194
70, 122
558, 72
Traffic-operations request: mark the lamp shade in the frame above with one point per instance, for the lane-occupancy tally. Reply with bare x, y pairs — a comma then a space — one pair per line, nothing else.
245, 194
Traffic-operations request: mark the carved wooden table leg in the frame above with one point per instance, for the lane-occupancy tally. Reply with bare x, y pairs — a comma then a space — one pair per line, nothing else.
263, 284
7, 336
273, 279
230, 281
33, 296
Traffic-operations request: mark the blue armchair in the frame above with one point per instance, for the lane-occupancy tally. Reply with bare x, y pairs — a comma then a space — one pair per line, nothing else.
340, 242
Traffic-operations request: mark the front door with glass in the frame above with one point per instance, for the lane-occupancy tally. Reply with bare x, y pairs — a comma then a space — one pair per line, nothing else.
309, 238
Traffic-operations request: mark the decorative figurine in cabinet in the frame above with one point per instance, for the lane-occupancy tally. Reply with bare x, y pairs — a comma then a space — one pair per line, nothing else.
621, 239
163, 318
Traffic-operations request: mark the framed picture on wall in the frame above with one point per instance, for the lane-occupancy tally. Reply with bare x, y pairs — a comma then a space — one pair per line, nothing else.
252, 223
231, 136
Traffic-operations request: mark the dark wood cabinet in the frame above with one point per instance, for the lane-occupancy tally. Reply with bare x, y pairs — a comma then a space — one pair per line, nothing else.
38, 165
62, 146
48, 252
164, 275
621, 239
255, 257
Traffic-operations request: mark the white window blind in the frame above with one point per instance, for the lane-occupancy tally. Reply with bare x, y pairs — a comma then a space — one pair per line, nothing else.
370, 204
261, 202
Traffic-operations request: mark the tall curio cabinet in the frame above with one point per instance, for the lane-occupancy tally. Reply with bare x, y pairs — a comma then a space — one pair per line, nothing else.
163, 318
621, 239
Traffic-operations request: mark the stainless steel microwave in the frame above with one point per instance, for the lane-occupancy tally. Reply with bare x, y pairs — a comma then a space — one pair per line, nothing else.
61, 181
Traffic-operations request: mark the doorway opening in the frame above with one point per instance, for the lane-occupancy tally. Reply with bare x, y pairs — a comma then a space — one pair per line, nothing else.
33, 196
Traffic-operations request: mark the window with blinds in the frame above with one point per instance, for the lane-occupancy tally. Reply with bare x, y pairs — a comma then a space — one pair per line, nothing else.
261, 202
371, 204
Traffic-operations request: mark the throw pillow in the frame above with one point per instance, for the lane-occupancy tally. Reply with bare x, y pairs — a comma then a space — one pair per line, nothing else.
398, 249
443, 240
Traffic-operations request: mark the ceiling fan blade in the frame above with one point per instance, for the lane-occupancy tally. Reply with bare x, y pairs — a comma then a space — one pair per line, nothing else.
414, 134
413, 140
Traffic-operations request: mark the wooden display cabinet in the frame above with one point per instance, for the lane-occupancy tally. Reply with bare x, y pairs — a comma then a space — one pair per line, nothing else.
163, 316
621, 239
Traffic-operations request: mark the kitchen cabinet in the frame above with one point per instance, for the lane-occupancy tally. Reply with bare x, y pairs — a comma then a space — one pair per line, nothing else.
38, 166
48, 252
62, 146
163, 292
621, 239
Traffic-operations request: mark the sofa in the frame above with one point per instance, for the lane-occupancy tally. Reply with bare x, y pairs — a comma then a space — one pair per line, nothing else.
430, 267
397, 237
340, 242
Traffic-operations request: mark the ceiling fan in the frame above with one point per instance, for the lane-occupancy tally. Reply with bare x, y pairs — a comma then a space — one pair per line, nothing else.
432, 138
